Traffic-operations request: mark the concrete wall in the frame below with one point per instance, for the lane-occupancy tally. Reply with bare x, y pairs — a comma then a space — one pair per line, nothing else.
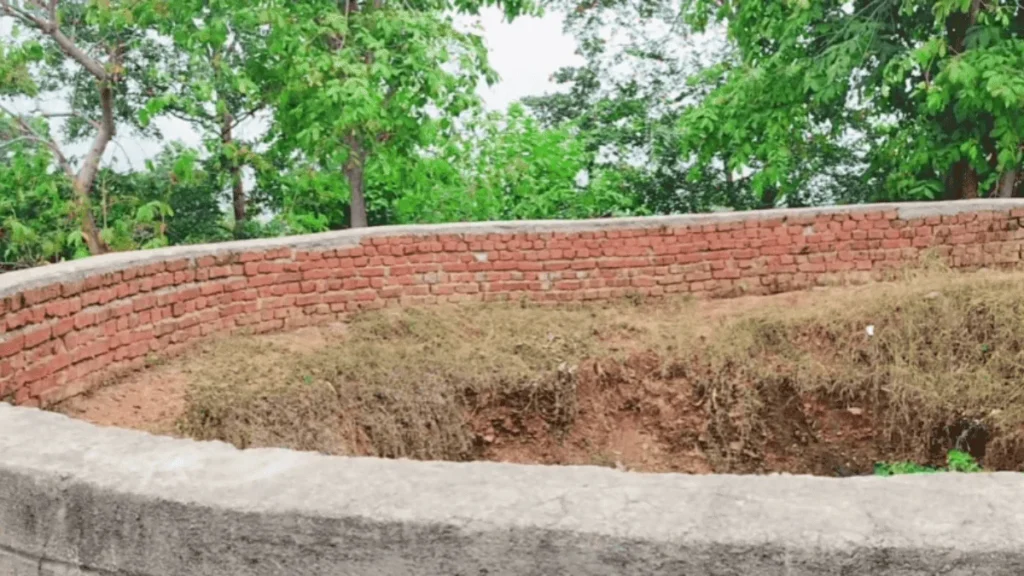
68, 325
78, 499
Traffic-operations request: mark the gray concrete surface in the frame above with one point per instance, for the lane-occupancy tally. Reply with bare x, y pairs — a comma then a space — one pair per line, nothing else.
70, 271
76, 499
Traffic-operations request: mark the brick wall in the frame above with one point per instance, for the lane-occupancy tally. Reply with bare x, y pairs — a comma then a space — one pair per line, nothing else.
64, 327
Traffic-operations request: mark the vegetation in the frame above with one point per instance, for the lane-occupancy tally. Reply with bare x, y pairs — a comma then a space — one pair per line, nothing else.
957, 461
327, 114
788, 383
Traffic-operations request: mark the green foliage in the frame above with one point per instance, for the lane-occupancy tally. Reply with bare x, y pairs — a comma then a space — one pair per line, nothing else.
934, 87
642, 102
36, 213
306, 199
503, 167
176, 200
956, 461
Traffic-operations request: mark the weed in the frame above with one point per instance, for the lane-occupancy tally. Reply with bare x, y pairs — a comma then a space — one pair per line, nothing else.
956, 461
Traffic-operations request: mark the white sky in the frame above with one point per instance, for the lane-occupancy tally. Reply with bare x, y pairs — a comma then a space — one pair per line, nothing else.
525, 53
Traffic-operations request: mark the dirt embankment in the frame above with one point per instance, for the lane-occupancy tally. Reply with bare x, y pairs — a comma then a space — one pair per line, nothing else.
825, 382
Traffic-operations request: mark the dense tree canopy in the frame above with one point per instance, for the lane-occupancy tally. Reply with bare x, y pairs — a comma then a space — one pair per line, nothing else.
934, 88
327, 114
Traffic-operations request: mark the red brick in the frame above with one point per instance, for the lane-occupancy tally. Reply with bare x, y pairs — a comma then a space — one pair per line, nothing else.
36, 336
12, 345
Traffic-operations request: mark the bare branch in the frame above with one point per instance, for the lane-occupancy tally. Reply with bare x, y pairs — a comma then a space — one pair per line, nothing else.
51, 29
15, 141
30, 133
22, 14
206, 121
127, 158
71, 114
246, 115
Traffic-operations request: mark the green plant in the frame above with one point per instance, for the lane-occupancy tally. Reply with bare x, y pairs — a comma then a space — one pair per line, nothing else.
956, 461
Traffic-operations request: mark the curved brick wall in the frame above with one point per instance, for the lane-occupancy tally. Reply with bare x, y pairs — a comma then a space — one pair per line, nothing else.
66, 326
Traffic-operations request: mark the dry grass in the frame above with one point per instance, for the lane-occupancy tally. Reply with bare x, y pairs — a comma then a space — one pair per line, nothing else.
399, 383
944, 368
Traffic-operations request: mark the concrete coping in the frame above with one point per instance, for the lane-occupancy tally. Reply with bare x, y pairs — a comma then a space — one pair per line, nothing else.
80, 499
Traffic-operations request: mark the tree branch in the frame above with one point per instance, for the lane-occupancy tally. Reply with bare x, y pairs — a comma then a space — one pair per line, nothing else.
246, 115
104, 135
127, 158
51, 29
71, 114
30, 133
15, 141
21, 14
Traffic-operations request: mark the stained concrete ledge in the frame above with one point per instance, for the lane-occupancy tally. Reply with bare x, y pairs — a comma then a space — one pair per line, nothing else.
77, 499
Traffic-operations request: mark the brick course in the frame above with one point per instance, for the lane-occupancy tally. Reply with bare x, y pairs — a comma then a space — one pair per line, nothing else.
63, 327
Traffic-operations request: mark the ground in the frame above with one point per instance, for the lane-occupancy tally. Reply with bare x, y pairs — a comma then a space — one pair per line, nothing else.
828, 382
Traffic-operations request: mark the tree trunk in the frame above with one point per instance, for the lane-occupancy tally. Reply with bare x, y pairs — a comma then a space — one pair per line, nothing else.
92, 236
356, 183
105, 75
962, 183
238, 199
86, 176
1006, 184
357, 206
970, 184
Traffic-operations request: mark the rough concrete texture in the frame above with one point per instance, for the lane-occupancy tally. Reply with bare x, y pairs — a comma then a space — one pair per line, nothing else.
77, 499
74, 270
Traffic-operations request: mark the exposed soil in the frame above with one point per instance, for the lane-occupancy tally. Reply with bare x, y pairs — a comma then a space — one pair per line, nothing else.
826, 382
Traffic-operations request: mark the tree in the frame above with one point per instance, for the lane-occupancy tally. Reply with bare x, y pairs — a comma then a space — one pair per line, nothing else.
357, 80
175, 200
500, 166
627, 96
77, 53
646, 69
934, 86
204, 81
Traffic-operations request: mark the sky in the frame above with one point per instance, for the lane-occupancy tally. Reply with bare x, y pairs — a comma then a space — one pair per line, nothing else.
525, 53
